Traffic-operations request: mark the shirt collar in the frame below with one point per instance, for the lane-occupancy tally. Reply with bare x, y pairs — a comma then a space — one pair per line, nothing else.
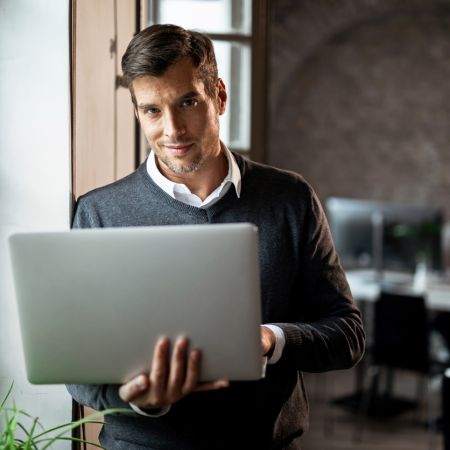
233, 176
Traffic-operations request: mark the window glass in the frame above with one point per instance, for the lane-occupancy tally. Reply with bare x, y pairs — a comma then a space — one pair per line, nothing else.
233, 60
213, 16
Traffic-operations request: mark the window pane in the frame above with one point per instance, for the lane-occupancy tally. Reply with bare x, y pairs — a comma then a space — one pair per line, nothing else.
233, 60
213, 16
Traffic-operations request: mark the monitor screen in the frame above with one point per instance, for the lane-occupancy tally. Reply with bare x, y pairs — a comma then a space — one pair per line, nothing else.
385, 235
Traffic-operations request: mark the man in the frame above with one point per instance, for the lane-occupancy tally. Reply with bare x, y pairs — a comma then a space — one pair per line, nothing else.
190, 177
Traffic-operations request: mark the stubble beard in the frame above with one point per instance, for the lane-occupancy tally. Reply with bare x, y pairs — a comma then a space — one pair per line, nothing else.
178, 167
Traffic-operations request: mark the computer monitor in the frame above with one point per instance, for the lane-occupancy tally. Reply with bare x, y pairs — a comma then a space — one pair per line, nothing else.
385, 235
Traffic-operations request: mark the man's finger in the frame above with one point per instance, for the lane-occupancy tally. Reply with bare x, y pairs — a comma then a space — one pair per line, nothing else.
192, 371
159, 370
178, 366
134, 388
219, 384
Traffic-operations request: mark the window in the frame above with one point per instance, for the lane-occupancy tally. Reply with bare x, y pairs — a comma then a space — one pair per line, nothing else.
230, 25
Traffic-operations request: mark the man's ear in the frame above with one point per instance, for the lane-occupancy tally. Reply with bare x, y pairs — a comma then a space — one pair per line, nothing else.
222, 97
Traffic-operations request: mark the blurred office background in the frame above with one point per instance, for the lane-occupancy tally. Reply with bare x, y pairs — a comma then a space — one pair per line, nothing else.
359, 106
359, 98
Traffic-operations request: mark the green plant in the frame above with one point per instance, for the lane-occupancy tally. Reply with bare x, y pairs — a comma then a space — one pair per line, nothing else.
21, 431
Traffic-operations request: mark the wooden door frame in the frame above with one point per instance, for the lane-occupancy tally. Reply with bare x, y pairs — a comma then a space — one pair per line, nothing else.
79, 411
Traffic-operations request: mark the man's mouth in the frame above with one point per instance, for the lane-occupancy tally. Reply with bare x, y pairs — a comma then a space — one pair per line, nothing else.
178, 149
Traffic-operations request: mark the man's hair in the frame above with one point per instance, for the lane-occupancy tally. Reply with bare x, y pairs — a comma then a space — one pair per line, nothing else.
153, 50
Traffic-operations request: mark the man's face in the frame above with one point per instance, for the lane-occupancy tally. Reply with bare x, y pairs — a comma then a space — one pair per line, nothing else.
179, 119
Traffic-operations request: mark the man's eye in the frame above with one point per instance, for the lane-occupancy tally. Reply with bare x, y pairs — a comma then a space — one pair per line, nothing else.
152, 111
189, 103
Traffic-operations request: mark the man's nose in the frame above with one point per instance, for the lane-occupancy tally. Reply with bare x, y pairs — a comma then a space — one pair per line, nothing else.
174, 125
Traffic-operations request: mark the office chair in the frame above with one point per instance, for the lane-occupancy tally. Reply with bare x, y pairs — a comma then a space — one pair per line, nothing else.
446, 409
401, 340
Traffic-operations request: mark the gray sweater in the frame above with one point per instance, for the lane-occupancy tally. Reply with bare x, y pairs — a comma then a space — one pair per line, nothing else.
304, 291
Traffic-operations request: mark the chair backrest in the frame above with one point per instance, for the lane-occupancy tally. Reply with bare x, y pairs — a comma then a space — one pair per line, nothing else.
401, 332
446, 409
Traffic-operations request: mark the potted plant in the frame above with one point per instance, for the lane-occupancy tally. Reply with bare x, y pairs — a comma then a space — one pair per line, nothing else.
21, 431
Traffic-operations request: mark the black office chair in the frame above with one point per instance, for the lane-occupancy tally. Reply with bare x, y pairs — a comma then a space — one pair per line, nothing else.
446, 409
401, 338
401, 332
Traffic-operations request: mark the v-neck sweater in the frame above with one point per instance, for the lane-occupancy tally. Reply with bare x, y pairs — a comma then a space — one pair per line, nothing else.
303, 291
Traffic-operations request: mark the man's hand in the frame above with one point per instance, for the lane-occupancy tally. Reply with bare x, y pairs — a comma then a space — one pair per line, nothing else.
170, 379
267, 341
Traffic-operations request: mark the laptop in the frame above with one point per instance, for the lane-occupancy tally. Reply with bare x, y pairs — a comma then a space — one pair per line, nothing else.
93, 302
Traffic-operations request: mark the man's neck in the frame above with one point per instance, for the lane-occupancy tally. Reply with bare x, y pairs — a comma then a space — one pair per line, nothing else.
201, 182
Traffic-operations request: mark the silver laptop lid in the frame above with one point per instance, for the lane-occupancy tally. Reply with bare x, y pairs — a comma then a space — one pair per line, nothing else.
92, 302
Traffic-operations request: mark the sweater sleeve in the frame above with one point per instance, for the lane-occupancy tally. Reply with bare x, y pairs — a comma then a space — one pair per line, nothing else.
97, 396
330, 334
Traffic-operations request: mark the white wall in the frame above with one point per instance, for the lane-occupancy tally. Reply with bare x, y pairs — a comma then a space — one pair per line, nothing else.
34, 166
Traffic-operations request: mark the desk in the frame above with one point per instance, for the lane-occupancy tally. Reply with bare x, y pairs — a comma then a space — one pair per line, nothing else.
366, 287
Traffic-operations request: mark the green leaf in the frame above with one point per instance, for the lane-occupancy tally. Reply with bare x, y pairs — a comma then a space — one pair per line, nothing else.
72, 425
12, 426
6, 396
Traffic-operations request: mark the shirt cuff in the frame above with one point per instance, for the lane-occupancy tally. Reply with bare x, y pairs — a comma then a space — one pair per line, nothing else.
280, 342
157, 412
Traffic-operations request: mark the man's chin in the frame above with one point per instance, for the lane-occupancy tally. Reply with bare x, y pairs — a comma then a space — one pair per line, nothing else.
183, 168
